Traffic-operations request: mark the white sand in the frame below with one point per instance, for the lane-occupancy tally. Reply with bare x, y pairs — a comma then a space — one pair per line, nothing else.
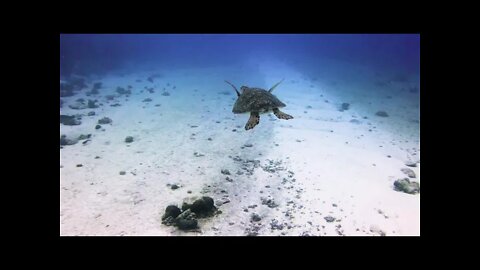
328, 167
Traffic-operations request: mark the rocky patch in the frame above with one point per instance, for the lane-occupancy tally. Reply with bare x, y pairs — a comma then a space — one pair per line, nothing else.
192, 209
69, 120
66, 141
404, 185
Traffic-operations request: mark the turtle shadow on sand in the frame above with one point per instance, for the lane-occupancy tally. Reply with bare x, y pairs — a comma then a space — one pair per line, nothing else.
257, 101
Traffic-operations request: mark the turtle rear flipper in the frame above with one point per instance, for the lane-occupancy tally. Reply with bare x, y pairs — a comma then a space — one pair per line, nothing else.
253, 120
273, 87
281, 115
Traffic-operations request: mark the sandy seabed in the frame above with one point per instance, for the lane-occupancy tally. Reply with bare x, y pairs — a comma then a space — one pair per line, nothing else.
328, 172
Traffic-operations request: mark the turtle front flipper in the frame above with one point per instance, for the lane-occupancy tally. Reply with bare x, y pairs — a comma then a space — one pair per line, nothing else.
253, 120
281, 115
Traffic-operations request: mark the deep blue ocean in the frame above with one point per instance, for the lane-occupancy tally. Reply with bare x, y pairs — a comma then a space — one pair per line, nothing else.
99, 53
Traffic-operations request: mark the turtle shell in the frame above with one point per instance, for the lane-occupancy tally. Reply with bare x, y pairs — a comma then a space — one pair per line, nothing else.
256, 100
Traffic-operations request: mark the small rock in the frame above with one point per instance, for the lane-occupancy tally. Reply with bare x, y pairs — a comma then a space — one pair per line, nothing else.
78, 106
129, 139
255, 218
329, 219
98, 127
174, 186
79, 165
123, 91
229, 179
105, 120
248, 145
345, 106
354, 121
202, 207
225, 171
147, 100
187, 221
409, 172
381, 114
91, 113
165, 93
65, 141
411, 164
92, 104
122, 172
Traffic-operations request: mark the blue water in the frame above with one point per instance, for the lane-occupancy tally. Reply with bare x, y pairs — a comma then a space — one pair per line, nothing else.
97, 53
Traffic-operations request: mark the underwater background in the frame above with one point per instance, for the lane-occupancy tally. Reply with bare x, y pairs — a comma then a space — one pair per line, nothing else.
149, 144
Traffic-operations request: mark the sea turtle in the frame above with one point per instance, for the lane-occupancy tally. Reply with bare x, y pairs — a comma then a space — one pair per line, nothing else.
257, 101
